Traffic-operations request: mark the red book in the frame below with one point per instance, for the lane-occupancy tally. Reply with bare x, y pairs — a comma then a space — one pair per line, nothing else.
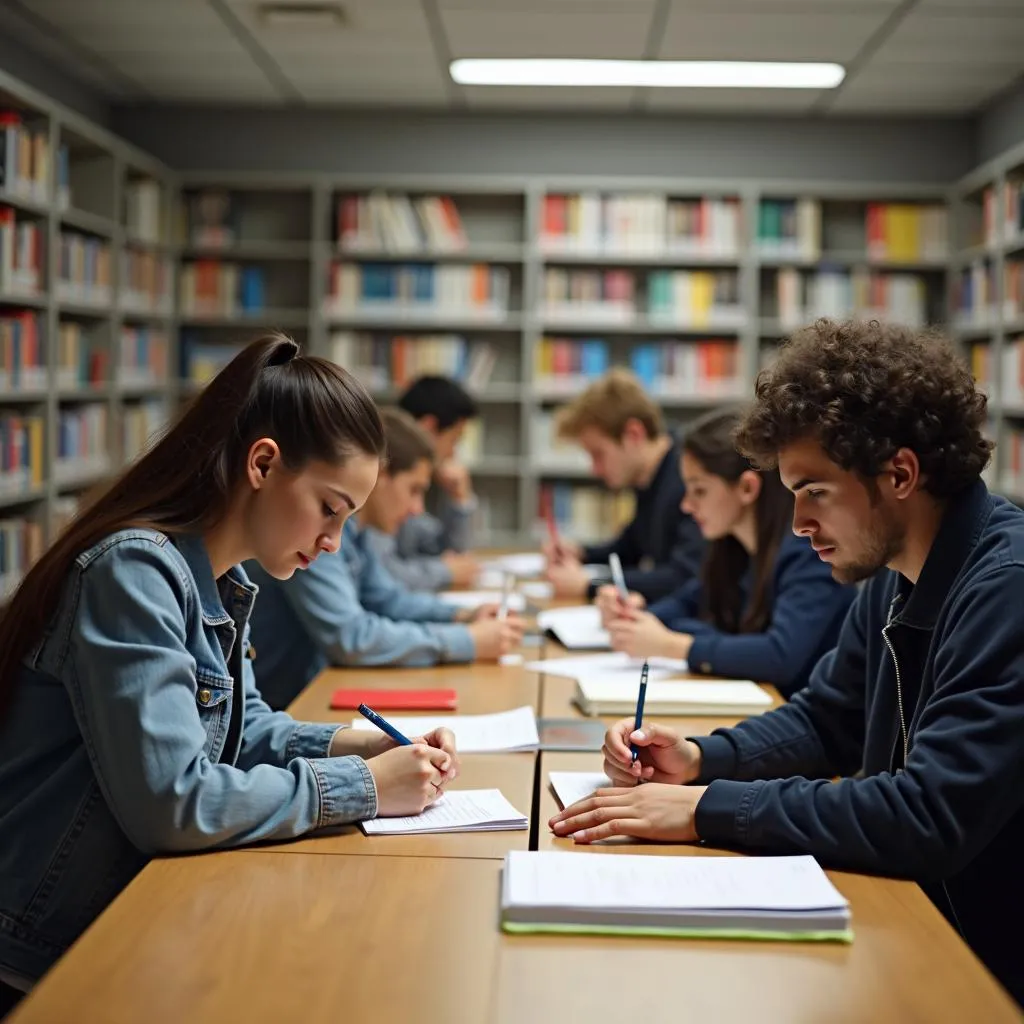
396, 700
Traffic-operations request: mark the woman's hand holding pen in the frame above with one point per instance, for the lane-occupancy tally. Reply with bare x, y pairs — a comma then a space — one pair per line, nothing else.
641, 635
612, 606
410, 778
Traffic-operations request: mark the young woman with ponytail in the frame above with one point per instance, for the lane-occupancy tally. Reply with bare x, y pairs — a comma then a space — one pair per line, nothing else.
130, 724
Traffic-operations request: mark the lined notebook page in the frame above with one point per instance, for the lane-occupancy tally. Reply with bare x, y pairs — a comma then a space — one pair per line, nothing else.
460, 810
689, 883
570, 787
505, 730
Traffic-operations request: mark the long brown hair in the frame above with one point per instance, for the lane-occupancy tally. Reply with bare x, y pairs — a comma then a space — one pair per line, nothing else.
187, 479
710, 442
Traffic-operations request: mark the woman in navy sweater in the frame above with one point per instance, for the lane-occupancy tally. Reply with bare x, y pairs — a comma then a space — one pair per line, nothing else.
765, 606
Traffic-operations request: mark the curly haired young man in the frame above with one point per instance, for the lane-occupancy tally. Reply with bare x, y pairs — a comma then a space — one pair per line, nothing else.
877, 430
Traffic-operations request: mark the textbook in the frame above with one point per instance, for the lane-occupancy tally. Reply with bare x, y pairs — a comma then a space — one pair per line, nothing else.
396, 700
604, 696
788, 898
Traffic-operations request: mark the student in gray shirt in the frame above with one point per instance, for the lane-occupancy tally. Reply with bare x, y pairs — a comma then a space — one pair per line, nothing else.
428, 551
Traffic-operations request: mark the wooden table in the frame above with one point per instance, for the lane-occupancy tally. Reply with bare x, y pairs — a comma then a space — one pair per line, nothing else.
396, 929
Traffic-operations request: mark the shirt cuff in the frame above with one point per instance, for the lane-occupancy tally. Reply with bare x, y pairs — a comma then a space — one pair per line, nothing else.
702, 654
348, 791
458, 643
718, 758
311, 740
722, 814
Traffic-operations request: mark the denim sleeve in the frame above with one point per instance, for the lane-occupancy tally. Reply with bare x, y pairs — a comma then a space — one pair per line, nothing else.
417, 572
132, 682
327, 601
421, 535
456, 525
381, 593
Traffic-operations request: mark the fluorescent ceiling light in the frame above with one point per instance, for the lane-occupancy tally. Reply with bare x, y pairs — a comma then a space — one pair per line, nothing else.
657, 74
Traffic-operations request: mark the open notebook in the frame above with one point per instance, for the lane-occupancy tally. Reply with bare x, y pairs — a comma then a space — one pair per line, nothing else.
706, 897
613, 665
577, 628
571, 787
459, 810
603, 696
474, 734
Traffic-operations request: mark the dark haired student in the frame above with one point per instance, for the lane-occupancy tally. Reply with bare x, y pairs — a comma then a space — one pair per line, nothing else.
765, 606
878, 431
430, 549
132, 724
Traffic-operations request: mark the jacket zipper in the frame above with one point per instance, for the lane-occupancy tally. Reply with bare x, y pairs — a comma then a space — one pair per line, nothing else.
899, 680
903, 731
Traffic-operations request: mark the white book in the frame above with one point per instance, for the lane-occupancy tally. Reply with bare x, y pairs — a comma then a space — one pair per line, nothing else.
475, 598
474, 734
571, 787
738, 897
577, 629
615, 665
672, 697
459, 810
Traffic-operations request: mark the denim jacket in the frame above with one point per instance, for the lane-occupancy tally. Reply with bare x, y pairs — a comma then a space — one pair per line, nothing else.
137, 729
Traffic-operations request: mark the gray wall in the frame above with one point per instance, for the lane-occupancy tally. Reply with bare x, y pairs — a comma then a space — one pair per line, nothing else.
1001, 126
21, 61
195, 138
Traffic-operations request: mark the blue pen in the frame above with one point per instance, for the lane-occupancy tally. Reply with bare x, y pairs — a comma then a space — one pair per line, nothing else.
387, 727
641, 697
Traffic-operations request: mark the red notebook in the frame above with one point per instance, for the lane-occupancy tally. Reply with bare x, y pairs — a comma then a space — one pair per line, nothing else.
396, 700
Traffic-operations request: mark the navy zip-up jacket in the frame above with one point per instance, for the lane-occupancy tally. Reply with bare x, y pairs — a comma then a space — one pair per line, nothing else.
808, 609
662, 547
937, 670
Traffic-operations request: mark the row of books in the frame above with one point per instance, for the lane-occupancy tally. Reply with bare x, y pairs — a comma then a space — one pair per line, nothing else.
143, 355
1012, 376
141, 422
21, 545
21, 254
393, 361
564, 366
85, 270
201, 361
974, 294
81, 361
82, 440
25, 165
685, 297
1013, 289
587, 514
1012, 459
801, 297
22, 362
145, 285
398, 223
981, 364
789, 228
214, 288
21, 452
643, 224
476, 290
144, 210
1002, 214
907, 232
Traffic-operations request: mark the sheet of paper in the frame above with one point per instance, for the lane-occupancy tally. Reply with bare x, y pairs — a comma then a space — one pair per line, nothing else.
616, 665
697, 883
577, 627
525, 564
732, 692
459, 810
570, 787
474, 734
475, 598
536, 590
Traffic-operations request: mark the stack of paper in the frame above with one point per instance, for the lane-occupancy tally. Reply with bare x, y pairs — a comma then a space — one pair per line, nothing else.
575, 628
460, 810
474, 734
604, 696
734, 897
609, 666
571, 787
474, 598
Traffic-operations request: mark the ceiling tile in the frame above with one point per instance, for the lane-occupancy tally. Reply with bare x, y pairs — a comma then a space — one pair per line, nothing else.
506, 33
499, 97
940, 36
734, 101
814, 34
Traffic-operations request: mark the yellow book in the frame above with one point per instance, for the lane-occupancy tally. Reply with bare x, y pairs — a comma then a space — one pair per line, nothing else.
35, 448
